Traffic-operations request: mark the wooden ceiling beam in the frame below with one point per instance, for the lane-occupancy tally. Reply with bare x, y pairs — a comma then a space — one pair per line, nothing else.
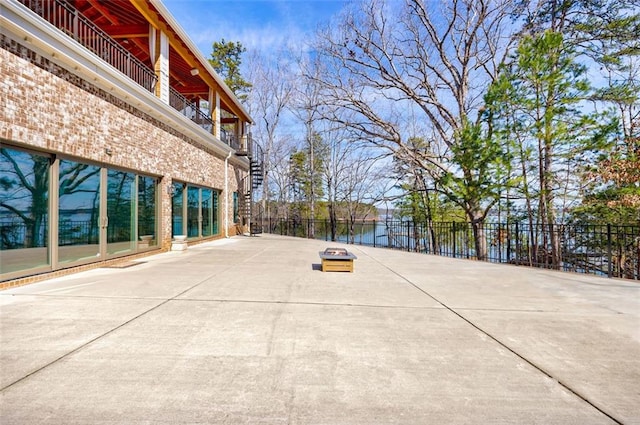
153, 17
127, 31
193, 90
104, 11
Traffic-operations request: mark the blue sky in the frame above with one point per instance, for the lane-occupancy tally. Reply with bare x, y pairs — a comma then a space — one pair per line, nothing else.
265, 25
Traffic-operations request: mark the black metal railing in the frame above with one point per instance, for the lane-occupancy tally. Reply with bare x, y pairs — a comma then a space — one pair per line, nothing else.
67, 19
256, 155
603, 250
77, 26
230, 139
190, 110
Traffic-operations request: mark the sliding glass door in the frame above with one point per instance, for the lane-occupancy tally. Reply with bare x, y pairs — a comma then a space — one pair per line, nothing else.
57, 213
147, 212
79, 218
121, 212
194, 218
177, 209
207, 212
24, 211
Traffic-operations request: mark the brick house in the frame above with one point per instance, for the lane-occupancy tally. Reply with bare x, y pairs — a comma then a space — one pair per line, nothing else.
117, 136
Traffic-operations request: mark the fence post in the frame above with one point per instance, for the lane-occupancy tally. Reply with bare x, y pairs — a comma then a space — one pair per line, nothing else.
374, 233
508, 235
466, 240
453, 232
517, 242
408, 236
609, 252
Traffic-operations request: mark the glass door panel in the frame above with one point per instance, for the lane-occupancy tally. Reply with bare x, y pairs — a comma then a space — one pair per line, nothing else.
24, 207
121, 211
236, 208
193, 212
78, 211
214, 214
147, 212
207, 210
177, 202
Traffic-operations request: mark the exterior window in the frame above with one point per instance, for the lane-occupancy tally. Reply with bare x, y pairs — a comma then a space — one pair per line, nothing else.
200, 214
207, 212
147, 212
121, 209
78, 211
24, 207
193, 212
214, 213
236, 209
99, 213
177, 203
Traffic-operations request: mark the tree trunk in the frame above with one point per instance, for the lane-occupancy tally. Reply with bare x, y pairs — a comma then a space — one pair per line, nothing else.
480, 241
333, 221
352, 220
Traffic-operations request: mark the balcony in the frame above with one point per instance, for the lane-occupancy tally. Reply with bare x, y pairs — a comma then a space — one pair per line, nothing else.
68, 20
190, 110
125, 46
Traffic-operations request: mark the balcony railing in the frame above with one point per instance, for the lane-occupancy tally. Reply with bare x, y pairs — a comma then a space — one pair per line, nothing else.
77, 26
190, 110
230, 139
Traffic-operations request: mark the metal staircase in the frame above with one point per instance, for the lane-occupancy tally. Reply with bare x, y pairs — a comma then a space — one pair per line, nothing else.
250, 211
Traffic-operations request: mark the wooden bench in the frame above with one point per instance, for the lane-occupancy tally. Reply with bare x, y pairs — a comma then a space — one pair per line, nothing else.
337, 260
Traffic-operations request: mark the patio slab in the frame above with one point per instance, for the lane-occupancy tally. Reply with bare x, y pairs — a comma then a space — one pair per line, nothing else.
249, 330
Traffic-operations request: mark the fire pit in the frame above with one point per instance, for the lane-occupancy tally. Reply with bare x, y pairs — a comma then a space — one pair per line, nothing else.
337, 260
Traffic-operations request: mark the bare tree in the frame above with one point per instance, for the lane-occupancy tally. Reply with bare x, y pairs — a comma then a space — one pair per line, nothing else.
270, 96
438, 57
335, 170
308, 109
349, 177
360, 186
280, 182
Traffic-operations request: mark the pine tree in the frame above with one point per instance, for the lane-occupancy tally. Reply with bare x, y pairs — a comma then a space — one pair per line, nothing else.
226, 59
545, 93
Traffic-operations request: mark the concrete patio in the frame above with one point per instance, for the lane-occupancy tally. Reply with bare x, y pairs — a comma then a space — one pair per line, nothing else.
249, 330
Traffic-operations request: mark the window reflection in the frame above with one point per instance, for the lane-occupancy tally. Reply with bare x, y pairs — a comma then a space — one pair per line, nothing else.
201, 213
85, 228
121, 196
236, 208
214, 214
193, 212
24, 202
176, 209
78, 211
147, 212
207, 218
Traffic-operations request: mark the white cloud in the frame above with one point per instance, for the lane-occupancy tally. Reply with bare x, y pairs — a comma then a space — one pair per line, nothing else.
266, 26
265, 39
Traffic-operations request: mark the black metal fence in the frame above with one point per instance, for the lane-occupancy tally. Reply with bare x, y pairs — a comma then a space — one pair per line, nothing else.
603, 250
